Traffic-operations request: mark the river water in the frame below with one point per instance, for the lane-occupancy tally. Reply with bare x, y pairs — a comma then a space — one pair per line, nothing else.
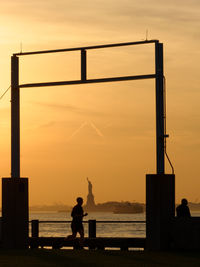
103, 229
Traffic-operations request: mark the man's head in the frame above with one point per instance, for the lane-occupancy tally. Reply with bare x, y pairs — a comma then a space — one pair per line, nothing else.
184, 201
79, 200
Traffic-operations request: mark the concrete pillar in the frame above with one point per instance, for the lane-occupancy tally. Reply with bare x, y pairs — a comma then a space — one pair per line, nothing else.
160, 210
15, 213
0, 229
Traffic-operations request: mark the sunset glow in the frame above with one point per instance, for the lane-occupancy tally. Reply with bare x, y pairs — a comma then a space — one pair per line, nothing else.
102, 131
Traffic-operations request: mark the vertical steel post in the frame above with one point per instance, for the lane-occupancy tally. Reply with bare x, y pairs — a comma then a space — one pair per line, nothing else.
35, 228
15, 118
92, 231
92, 228
83, 65
159, 109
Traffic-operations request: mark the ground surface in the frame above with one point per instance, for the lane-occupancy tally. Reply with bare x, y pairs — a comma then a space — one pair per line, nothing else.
70, 258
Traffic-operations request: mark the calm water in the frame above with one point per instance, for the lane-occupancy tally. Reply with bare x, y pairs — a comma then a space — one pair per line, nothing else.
103, 229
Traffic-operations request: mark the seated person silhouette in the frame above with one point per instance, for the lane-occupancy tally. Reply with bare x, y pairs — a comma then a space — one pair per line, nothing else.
77, 217
183, 210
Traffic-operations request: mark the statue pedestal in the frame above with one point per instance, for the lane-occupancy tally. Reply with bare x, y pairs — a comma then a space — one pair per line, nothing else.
90, 201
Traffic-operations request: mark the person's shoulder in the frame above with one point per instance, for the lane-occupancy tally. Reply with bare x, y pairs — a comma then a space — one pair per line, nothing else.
75, 207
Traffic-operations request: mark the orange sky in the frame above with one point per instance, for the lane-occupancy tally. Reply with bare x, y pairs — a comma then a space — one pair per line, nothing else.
103, 131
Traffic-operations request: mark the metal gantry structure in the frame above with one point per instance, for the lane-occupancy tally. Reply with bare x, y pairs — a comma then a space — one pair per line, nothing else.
15, 95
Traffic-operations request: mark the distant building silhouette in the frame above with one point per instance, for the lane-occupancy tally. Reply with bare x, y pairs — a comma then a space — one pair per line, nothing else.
90, 197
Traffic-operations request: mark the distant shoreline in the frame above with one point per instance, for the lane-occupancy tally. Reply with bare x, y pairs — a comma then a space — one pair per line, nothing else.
67, 208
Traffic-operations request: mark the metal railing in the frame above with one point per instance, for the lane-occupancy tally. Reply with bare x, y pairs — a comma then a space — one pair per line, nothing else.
92, 229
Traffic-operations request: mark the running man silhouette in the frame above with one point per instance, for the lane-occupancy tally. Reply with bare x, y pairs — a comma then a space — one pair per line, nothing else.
77, 218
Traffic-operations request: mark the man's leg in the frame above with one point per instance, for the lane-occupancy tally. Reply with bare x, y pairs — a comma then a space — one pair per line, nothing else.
74, 233
72, 237
81, 232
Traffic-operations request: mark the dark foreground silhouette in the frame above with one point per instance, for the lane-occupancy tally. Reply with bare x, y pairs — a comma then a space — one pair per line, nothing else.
183, 209
77, 221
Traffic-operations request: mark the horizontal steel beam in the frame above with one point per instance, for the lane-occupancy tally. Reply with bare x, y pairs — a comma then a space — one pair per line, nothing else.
84, 48
114, 79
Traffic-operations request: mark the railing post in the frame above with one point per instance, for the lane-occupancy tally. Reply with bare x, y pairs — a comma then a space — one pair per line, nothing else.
34, 233
35, 228
92, 233
92, 228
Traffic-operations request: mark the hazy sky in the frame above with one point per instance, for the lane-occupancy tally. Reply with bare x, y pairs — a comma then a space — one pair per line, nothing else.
105, 131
